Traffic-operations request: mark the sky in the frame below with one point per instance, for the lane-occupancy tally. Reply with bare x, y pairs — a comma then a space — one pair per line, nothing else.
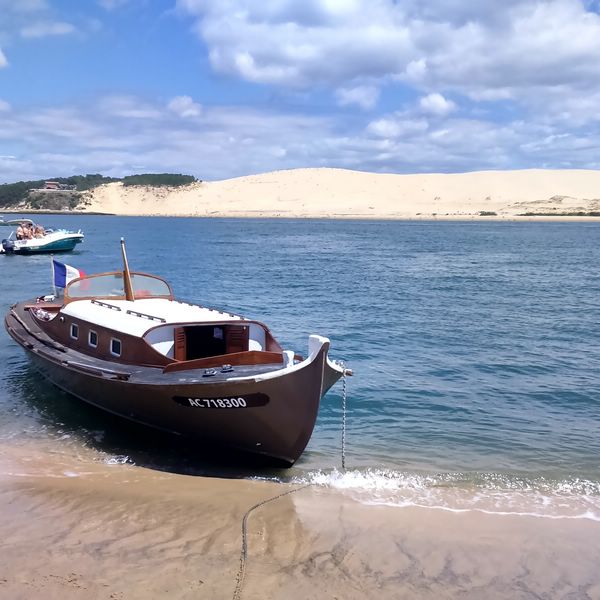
225, 88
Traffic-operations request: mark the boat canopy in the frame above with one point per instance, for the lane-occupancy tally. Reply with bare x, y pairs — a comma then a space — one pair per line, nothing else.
15, 222
110, 285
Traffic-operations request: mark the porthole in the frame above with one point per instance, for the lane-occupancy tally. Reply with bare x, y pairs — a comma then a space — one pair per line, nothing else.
115, 347
93, 339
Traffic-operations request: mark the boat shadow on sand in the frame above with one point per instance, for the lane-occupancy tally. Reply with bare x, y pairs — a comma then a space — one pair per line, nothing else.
60, 414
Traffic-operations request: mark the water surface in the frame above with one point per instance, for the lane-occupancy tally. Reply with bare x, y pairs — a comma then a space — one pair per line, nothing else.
475, 348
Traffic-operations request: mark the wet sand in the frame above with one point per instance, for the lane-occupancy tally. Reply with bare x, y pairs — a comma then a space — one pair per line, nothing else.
125, 532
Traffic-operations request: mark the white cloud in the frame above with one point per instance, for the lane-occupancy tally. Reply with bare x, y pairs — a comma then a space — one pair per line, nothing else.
104, 138
395, 126
320, 41
485, 50
436, 104
416, 70
490, 95
4, 106
34, 20
185, 107
558, 106
128, 107
364, 96
231, 141
45, 29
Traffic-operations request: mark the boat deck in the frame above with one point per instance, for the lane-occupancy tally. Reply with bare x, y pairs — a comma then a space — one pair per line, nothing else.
22, 326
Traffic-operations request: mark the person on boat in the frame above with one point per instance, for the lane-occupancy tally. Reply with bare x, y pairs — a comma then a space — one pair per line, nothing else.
28, 231
20, 233
39, 232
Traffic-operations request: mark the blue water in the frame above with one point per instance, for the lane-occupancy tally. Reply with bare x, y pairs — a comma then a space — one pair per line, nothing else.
475, 348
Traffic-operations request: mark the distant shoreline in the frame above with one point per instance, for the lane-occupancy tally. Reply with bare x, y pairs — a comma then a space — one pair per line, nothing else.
324, 193
429, 218
31, 211
561, 218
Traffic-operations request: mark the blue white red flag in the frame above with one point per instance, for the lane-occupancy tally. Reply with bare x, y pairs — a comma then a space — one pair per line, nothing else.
64, 273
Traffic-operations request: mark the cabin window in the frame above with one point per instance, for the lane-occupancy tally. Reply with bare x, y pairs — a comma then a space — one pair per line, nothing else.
74, 331
93, 339
115, 347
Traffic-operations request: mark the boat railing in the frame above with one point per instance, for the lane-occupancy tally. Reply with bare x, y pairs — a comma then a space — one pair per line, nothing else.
37, 336
142, 315
106, 305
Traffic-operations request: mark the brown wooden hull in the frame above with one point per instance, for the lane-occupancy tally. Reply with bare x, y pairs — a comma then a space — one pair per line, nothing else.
265, 411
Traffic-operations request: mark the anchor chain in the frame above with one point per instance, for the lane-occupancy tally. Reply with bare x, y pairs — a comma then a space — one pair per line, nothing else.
344, 398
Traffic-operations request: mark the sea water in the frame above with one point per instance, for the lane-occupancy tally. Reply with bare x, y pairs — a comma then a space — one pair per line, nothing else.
474, 347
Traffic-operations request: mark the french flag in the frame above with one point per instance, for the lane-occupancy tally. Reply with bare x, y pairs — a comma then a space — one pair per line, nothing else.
64, 273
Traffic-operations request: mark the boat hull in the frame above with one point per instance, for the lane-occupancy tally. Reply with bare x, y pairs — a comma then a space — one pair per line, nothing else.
65, 243
271, 414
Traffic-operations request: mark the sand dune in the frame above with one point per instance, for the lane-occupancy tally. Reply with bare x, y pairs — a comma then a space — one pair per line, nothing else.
338, 193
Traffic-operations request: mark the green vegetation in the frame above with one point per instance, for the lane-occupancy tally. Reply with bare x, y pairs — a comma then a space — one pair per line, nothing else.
60, 200
85, 182
159, 179
68, 196
13, 193
487, 213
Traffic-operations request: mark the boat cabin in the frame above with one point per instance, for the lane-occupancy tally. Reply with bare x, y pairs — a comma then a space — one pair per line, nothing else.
152, 328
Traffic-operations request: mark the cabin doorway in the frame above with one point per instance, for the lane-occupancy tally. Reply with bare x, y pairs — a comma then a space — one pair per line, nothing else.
201, 342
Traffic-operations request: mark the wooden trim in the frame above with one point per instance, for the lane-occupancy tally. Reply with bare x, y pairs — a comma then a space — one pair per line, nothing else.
252, 357
180, 347
126, 275
45, 305
236, 338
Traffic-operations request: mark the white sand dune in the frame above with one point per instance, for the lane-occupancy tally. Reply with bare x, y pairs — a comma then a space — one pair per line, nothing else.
339, 193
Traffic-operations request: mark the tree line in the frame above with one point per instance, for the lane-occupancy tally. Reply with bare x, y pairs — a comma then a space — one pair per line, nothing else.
12, 194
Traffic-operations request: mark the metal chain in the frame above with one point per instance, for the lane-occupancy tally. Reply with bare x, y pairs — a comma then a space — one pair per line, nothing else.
244, 554
344, 395
237, 594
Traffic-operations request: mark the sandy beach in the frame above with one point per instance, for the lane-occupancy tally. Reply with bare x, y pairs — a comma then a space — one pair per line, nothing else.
121, 532
74, 526
338, 193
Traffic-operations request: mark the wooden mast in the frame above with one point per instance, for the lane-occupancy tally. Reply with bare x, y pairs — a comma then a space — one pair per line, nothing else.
126, 274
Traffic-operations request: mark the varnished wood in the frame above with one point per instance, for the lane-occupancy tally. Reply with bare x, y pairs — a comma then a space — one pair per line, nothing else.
252, 357
126, 275
180, 350
134, 350
236, 338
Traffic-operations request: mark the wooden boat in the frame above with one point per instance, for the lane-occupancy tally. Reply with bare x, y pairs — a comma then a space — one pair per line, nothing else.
120, 341
48, 241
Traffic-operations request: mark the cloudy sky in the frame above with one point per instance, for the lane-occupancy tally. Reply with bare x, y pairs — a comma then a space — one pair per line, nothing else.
222, 88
